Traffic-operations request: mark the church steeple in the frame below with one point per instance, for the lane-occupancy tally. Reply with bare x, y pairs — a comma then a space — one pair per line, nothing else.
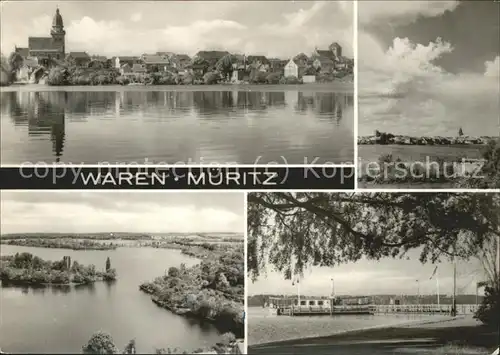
58, 33
57, 23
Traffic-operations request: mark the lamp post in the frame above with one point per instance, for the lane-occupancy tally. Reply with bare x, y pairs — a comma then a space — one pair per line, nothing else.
418, 292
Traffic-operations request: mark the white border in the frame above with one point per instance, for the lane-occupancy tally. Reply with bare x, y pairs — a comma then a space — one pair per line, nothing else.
356, 110
245, 255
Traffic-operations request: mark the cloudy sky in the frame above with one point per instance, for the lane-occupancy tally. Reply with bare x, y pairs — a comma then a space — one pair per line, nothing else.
261, 27
136, 212
439, 60
387, 276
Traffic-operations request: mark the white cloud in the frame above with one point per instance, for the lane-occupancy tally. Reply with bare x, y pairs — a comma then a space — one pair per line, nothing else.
233, 26
136, 17
75, 217
401, 11
403, 90
493, 67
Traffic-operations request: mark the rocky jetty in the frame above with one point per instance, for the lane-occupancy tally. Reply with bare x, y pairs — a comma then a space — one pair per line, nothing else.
389, 138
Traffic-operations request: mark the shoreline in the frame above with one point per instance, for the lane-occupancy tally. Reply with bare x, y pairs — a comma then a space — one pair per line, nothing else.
336, 86
185, 312
359, 330
447, 141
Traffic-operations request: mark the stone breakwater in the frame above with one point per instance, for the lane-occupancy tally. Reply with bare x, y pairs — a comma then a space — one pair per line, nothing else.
388, 138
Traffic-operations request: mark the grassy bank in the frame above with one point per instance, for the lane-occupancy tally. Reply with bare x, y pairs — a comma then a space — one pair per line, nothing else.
454, 336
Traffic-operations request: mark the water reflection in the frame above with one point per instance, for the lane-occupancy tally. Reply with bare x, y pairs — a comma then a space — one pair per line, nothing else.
176, 113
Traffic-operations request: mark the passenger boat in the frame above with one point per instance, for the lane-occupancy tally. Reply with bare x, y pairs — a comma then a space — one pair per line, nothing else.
308, 306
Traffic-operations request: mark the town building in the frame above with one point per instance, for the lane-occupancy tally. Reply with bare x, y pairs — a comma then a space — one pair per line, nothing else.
334, 54
79, 59
259, 62
130, 60
294, 68
180, 61
155, 63
211, 57
324, 65
46, 49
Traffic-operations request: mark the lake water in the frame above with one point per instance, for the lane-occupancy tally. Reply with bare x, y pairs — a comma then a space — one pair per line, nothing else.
245, 126
266, 328
62, 320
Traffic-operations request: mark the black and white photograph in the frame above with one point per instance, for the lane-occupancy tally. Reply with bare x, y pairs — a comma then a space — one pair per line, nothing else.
428, 94
85, 272
169, 82
373, 273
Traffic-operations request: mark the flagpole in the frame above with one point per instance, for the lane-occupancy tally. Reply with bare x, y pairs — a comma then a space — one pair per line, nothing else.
437, 286
298, 292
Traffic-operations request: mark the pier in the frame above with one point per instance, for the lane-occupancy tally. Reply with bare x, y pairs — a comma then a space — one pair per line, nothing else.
461, 309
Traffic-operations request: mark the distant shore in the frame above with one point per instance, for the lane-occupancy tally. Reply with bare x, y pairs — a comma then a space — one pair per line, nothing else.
390, 139
338, 86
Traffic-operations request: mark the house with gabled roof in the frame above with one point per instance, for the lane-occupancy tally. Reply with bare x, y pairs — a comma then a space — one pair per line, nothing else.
80, 59
155, 63
180, 61
295, 68
130, 60
212, 57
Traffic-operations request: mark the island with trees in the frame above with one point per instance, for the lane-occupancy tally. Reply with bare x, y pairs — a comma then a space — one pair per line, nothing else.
29, 269
212, 290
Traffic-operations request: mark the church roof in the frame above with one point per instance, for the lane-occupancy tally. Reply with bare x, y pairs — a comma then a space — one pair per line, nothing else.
326, 54
155, 59
57, 21
324, 60
41, 44
80, 55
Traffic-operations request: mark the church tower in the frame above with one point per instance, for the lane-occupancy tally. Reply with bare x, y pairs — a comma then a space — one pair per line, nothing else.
58, 34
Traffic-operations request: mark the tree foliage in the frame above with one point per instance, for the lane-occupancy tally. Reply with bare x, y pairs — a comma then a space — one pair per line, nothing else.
225, 66
108, 264
15, 62
100, 343
488, 175
291, 231
489, 309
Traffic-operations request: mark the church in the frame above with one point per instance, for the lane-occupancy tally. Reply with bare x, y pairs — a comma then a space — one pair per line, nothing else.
44, 49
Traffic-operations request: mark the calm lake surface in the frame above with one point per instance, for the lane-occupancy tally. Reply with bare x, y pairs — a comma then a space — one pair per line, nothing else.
224, 125
62, 320
266, 328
